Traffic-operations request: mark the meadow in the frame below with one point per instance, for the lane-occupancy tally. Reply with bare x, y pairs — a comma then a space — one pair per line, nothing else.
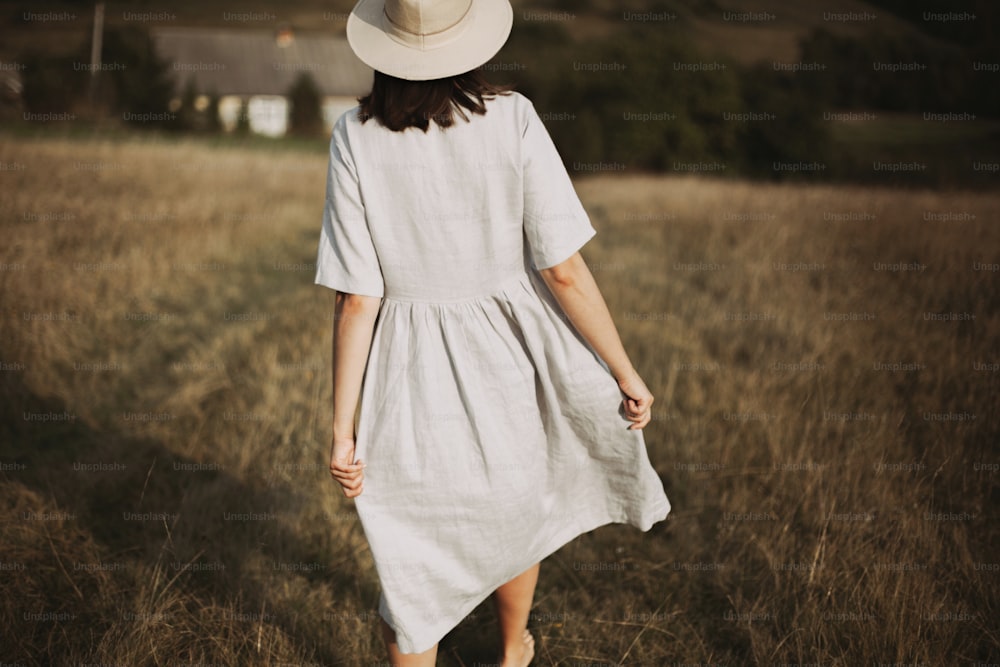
824, 360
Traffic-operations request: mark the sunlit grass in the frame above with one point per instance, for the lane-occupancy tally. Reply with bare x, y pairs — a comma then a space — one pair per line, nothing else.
160, 311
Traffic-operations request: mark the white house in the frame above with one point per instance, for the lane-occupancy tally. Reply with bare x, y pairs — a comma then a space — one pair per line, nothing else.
258, 67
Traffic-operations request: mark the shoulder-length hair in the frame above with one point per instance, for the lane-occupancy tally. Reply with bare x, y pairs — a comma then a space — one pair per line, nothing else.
400, 103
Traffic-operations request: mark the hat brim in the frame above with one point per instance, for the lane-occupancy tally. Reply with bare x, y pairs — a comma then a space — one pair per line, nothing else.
488, 29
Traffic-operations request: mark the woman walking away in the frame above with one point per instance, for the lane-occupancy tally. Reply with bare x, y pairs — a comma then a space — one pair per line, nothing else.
500, 416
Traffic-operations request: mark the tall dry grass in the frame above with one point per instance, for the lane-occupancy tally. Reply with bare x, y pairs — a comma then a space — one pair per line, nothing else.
165, 393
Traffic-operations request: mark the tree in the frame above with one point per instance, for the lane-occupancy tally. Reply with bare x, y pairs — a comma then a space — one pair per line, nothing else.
306, 116
142, 85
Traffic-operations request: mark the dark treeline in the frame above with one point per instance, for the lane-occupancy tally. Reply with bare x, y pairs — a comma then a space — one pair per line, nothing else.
646, 98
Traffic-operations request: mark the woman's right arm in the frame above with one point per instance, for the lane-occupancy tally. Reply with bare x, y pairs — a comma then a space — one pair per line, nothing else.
574, 287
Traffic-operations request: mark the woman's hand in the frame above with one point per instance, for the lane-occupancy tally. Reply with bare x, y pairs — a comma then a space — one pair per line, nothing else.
638, 400
345, 470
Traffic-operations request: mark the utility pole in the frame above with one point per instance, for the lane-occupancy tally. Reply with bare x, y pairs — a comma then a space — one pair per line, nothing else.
95, 50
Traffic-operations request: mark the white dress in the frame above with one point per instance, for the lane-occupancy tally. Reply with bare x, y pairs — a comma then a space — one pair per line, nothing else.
493, 433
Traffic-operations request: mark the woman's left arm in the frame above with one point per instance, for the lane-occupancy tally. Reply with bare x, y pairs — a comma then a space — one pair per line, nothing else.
353, 325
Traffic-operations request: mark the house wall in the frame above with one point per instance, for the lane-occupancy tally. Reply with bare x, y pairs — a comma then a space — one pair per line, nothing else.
333, 107
268, 114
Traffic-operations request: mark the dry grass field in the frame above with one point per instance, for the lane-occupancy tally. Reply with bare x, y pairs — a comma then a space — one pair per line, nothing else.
825, 361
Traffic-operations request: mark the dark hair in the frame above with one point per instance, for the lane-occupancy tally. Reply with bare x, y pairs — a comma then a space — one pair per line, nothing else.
400, 103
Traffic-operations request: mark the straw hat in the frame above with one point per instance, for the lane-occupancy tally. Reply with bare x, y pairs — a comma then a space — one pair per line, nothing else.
428, 39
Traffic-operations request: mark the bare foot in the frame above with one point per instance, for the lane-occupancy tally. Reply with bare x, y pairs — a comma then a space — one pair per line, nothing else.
523, 655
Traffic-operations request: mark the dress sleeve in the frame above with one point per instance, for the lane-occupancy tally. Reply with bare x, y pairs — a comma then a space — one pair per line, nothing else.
346, 260
555, 222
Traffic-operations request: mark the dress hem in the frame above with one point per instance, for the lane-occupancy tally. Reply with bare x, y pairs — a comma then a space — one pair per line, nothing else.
659, 514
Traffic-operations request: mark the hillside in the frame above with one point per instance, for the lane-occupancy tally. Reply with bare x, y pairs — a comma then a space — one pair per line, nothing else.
771, 32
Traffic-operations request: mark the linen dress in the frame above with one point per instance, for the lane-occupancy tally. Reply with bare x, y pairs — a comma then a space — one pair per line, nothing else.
493, 433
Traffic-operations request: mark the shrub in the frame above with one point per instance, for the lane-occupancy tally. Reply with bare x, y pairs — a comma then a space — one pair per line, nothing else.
306, 116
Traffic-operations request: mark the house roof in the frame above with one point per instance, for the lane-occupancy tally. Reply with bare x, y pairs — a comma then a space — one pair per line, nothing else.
253, 61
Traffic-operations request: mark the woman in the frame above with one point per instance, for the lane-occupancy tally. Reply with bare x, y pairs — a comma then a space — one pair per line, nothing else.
500, 416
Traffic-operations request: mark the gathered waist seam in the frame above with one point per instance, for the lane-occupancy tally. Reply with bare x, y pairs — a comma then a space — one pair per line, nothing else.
519, 277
